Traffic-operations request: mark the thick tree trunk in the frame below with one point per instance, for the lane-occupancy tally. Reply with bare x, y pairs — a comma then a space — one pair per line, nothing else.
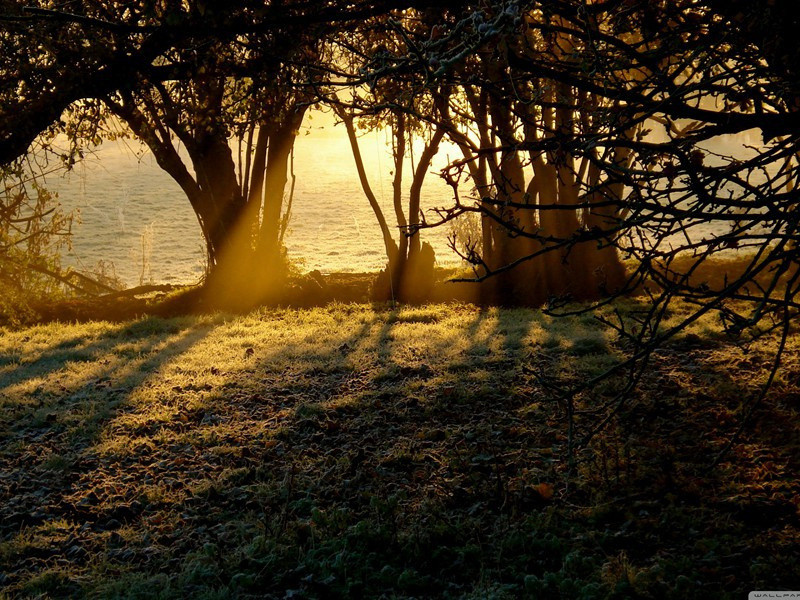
239, 210
413, 272
607, 271
522, 284
221, 205
268, 248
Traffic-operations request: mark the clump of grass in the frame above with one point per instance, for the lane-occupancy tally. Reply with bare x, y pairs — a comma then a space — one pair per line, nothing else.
51, 582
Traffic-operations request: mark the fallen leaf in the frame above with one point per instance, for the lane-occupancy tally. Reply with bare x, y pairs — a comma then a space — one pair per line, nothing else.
545, 490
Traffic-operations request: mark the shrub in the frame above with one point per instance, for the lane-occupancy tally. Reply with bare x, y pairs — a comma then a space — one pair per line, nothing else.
33, 230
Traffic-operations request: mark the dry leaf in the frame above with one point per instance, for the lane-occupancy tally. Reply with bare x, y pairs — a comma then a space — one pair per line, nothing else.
545, 490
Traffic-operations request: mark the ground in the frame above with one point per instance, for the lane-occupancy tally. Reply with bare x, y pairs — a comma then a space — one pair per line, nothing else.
363, 451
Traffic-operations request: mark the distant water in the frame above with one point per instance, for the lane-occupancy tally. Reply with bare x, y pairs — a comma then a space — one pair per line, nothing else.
133, 216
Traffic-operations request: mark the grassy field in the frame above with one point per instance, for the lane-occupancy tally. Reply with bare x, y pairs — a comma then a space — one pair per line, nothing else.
353, 451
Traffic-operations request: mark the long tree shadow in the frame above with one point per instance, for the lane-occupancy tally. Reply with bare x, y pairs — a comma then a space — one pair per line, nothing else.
49, 427
374, 426
350, 453
126, 340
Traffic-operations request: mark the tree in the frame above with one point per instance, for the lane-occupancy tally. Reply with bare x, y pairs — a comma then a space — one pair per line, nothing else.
239, 200
404, 110
477, 100
534, 200
597, 130
409, 273
196, 74
190, 86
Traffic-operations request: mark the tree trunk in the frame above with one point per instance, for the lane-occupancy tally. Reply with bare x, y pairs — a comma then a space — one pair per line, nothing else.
414, 271
268, 249
221, 205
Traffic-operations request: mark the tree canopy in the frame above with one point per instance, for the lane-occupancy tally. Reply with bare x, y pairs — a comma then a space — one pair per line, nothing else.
622, 146
590, 131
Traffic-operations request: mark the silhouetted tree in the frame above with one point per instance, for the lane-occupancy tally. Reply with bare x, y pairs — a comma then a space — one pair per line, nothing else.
530, 188
238, 135
596, 136
409, 274
195, 74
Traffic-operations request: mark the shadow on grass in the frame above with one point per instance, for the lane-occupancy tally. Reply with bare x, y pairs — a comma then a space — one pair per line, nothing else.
55, 406
348, 452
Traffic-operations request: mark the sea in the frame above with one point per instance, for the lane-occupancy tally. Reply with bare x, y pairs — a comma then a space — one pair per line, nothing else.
132, 221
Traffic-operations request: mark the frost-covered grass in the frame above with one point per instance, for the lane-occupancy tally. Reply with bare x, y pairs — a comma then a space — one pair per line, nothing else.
355, 451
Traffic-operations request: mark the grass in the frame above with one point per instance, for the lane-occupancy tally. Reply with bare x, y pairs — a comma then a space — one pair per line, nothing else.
354, 451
